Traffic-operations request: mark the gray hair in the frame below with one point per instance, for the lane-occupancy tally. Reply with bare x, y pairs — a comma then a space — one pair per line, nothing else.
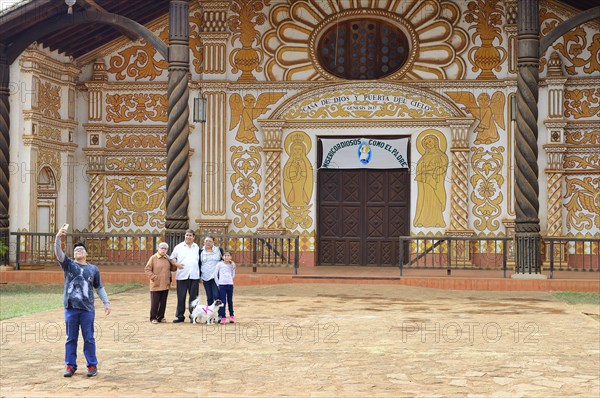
161, 244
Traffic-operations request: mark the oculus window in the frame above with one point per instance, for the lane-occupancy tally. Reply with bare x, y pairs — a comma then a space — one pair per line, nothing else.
365, 49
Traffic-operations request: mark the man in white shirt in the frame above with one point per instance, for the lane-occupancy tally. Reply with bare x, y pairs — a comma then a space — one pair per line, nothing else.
188, 277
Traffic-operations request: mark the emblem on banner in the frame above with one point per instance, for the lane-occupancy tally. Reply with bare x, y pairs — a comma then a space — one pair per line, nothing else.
364, 152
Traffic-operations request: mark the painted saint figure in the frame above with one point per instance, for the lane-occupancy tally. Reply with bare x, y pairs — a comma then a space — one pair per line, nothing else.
431, 173
296, 175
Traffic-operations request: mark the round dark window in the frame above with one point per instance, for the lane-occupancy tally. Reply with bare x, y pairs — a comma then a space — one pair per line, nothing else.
364, 49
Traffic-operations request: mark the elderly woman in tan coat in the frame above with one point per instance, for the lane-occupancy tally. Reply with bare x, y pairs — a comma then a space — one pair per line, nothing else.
158, 269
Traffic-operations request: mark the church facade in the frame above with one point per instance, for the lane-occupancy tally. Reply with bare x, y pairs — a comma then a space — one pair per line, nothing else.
348, 123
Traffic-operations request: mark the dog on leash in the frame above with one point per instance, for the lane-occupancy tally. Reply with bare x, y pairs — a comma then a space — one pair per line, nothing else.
205, 313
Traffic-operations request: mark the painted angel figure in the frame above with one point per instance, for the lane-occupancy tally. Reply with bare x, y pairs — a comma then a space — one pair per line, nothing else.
243, 112
489, 112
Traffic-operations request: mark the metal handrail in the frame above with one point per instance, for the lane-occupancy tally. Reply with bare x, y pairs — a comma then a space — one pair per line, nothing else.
135, 249
458, 254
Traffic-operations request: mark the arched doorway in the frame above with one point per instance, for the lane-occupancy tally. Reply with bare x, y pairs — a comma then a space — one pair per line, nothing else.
358, 214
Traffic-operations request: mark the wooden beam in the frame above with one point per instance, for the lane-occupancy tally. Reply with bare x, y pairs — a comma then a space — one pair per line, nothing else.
92, 4
87, 4
62, 21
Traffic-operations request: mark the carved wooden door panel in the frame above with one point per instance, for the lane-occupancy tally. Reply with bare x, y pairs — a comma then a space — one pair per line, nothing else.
360, 216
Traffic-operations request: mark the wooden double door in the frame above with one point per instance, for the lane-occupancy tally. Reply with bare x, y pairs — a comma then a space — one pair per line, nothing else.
361, 214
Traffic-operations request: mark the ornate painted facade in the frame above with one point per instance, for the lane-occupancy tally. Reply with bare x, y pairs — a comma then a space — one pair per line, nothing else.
91, 132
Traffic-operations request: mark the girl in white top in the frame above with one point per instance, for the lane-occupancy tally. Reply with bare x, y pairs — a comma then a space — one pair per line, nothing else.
224, 278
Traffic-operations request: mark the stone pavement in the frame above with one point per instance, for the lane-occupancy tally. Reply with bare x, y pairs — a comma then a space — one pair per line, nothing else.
321, 340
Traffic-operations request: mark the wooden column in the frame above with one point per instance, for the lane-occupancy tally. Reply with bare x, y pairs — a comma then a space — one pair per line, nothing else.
527, 222
4, 148
178, 129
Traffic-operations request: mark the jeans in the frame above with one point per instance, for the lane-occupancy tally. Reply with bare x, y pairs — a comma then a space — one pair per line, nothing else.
212, 291
76, 318
226, 294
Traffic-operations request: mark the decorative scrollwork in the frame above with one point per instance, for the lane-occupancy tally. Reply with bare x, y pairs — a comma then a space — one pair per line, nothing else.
136, 163
49, 100
196, 45
583, 203
138, 61
136, 141
582, 162
582, 138
139, 107
246, 181
487, 182
580, 103
573, 46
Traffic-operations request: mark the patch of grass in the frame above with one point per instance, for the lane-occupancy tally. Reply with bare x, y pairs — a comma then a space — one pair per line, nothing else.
17, 299
579, 297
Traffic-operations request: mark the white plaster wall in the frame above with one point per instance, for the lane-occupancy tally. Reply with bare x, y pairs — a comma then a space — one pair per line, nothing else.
19, 162
195, 188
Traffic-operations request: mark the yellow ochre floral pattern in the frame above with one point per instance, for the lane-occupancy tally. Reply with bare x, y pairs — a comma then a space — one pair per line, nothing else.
583, 203
49, 100
136, 141
582, 138
139, 107
580, 103
138, 61
487, 181
246, 181
196, 45
577, 50
486, 18
136, 163
242, 24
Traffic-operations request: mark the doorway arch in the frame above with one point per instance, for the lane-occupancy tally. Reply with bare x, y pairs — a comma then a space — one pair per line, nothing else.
352, 109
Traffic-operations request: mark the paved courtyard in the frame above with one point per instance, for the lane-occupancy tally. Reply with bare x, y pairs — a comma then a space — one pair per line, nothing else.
321, 340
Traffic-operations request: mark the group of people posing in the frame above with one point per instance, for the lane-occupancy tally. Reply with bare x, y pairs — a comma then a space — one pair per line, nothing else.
188, 260
191, 264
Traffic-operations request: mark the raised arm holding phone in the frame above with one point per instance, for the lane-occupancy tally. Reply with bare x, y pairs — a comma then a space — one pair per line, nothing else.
81, 278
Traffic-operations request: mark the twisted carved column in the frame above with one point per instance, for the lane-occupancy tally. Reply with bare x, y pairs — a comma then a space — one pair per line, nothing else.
459, 215
272, 208
4, 146
178, 147
527, 223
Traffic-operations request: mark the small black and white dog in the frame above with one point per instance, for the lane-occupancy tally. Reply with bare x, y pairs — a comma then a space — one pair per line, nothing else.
205, 313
